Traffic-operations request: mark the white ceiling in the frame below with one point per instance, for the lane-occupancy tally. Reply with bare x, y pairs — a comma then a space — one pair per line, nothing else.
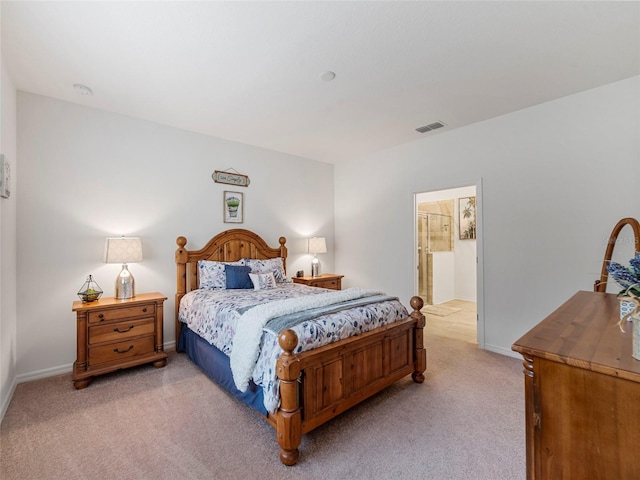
250, 71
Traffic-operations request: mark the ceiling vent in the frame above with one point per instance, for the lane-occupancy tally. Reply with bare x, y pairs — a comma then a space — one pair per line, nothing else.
431, 126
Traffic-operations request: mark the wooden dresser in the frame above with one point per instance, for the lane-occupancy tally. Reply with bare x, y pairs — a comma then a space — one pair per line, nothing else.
326, 280
114, 334
582, 393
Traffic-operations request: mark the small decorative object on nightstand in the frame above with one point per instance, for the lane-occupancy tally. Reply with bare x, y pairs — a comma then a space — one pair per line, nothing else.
327, 280
90, 290
113, 334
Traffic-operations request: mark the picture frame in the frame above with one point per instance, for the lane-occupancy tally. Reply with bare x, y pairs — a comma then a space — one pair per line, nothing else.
5, 177
233, 207
467, 218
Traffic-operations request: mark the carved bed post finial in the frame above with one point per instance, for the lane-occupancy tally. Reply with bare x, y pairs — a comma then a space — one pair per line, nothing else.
181, 281
418, 340
283, 252
289, 418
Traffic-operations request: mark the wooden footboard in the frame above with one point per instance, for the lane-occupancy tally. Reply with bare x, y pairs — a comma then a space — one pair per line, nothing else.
318, 385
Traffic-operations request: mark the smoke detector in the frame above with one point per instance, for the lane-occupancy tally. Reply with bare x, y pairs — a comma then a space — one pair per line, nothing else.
327, 76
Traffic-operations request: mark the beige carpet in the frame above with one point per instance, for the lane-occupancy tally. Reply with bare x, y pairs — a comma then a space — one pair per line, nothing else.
465, 422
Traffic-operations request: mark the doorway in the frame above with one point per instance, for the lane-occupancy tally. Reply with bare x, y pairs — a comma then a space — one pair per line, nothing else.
446, 226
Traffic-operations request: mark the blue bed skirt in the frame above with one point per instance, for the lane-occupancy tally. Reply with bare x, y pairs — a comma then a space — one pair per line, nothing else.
215, 365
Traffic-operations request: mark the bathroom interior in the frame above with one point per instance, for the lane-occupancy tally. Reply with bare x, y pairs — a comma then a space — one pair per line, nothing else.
446, 263
435, 251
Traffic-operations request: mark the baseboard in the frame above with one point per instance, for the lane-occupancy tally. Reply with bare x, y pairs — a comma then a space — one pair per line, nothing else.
59, 370
472, 300
44, 373
7, 400
502, 351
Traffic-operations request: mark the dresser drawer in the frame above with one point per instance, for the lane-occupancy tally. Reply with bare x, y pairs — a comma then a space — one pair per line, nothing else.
118, 313
121, 350
116, 332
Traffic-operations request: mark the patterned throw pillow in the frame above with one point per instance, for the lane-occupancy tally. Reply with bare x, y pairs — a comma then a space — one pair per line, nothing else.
212, 274
263, 280
237, 277
275, 265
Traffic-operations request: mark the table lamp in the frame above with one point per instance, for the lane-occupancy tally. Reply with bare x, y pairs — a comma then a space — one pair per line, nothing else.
123, 250
316, 245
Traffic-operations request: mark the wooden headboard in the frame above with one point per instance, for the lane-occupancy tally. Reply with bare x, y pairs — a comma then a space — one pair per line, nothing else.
227, 246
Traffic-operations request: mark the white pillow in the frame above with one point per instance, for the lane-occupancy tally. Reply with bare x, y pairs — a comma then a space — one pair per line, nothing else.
212, 274
263, 280
275, 265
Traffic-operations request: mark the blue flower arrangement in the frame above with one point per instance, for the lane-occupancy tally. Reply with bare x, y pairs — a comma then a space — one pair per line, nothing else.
627, 277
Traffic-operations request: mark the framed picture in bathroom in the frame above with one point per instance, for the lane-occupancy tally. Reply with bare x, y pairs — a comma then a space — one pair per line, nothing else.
467, 218
5, 177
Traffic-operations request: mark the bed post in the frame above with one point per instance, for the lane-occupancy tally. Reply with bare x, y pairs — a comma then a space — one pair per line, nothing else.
289, 418
283, 252
418, 341
181, 281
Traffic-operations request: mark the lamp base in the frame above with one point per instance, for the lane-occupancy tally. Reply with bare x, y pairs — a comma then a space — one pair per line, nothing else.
315, 268
125, 284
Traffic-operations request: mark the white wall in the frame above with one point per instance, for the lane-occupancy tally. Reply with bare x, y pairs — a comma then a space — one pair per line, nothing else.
465, 251
444, 281
87, 174
555, 179
8, 311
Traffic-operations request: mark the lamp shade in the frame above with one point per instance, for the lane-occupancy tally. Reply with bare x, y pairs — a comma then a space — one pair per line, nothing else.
317, 245
123, 250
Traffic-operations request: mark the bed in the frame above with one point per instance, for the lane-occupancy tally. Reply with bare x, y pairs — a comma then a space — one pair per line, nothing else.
313, 382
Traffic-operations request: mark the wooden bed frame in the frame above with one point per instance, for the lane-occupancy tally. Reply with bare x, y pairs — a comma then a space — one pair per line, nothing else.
316, 385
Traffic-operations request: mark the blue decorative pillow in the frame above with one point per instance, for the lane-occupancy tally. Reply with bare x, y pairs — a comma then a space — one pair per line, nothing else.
238, 277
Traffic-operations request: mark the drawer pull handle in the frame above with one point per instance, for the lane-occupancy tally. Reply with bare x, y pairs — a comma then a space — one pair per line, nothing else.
116, 329
101, 316
144, 309
124, 351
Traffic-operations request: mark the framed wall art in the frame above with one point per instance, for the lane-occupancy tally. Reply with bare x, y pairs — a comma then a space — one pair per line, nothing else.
467, 218
233, 207
5, 177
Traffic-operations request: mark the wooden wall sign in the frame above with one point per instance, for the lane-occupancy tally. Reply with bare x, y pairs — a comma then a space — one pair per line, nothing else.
230, 178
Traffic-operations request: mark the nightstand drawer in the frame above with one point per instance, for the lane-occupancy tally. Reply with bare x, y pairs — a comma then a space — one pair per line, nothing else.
120, 350
333, 284
118, 313
116, 332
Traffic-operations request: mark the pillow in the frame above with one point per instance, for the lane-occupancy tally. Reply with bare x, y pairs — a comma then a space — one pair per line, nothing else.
212, 274
275, 265
263, 280
237, 277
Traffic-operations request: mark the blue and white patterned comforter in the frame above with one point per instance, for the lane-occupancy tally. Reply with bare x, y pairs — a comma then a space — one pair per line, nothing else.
214, 314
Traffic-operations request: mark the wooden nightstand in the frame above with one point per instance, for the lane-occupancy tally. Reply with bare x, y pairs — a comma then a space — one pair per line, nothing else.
327, 280
114, 334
